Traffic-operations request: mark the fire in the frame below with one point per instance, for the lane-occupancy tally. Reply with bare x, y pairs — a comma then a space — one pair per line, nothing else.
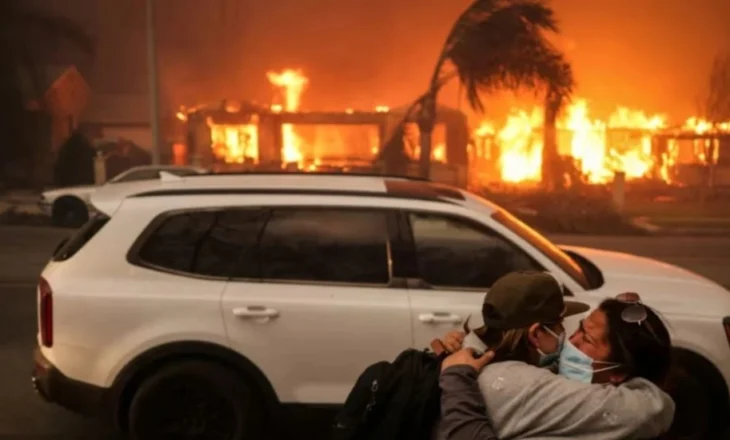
628, 141
701, 126
522, 159
292, 83
589, 142
234, 143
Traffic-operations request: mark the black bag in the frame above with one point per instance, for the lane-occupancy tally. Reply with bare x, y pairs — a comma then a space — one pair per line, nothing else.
398, 400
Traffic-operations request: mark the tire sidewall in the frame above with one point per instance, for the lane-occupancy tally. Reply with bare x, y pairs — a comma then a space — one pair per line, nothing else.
224, 382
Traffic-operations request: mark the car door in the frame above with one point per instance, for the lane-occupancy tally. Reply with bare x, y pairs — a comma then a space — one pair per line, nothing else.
312, 305
458, 260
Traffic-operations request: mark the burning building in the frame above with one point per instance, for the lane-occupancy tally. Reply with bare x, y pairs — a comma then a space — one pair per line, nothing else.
630, 142
245, 136
638, 146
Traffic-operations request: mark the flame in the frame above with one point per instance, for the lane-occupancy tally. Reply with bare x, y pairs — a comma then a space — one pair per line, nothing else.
522, 160
292, 83
623, 142
234, 143
590, 143
702, 126
600, 149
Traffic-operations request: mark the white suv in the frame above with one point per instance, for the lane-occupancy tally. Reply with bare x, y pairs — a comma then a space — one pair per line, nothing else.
206, 302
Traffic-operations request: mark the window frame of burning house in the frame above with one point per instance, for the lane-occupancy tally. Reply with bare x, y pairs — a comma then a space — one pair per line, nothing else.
245, 259
472, 227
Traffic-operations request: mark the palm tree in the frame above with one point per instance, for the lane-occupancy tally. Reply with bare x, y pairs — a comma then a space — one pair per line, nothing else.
22, 32
496, 45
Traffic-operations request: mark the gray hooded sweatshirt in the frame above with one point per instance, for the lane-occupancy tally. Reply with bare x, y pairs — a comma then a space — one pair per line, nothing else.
526, 402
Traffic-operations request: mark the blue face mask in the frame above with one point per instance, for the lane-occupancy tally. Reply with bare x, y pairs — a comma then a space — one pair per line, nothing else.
576, 365
549, 358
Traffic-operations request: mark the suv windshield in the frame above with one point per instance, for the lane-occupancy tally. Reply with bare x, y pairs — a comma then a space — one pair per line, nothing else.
543, 245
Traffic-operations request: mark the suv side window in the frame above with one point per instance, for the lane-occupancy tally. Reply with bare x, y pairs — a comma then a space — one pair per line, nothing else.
210, 243
326, 245
455, 253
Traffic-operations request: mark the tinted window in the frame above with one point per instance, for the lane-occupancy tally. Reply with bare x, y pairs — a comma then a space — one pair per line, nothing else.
545, 246
456, 253
220, 244
70, 246
346, 246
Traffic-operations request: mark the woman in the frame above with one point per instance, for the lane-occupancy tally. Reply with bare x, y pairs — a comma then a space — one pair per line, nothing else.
608, 386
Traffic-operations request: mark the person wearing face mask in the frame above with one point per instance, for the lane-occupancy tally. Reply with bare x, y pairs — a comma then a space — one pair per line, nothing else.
609, 370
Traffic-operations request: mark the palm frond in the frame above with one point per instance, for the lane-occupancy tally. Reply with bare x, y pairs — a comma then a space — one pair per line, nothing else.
501, 44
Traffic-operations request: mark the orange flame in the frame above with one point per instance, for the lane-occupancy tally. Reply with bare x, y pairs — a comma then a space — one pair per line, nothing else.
292, 83
589, 144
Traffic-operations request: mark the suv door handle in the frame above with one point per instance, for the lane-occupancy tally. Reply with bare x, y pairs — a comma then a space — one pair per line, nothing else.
255, 312
440, 318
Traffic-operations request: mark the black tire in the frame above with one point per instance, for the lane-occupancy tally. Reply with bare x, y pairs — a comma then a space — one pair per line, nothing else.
69, 212
691, 416
195, 400
701, 398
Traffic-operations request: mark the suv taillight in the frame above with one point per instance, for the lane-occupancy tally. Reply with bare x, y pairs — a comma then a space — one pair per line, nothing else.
45, 312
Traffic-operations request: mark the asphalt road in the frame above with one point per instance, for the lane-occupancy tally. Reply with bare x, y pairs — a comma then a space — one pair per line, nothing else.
24, 250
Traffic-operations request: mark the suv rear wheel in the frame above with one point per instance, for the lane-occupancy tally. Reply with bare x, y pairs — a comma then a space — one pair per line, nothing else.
194, 400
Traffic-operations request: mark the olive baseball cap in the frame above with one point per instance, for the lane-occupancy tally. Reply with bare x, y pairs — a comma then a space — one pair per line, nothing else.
520, 299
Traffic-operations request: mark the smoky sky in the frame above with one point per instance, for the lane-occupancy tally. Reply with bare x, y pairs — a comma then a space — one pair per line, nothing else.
649, 54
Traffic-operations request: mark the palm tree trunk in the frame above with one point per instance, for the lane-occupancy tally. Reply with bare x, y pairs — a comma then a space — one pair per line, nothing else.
427, 113
426, 123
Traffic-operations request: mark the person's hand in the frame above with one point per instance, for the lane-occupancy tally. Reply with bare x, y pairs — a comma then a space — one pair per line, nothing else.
468, 357
453, 341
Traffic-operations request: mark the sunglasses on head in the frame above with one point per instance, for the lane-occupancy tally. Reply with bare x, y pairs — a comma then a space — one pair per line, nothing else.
635, 312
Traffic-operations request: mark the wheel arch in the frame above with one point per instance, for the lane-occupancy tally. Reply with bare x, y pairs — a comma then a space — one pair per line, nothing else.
134, 373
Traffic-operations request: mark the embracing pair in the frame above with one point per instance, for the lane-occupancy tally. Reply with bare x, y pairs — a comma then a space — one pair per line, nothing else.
520, 377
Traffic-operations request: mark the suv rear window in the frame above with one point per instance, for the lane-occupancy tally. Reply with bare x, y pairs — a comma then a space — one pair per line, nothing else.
208, 243
70, 246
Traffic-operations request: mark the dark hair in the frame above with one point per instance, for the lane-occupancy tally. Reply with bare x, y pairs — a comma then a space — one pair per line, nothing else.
508, 345
644, 349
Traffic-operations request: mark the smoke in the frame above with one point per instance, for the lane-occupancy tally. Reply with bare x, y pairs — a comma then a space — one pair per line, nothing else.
650, 54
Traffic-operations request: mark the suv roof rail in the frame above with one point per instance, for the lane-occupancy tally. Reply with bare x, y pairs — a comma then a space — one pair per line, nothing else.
310, 173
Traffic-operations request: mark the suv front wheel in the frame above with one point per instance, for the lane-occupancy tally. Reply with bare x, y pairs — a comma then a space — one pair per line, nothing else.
194, 400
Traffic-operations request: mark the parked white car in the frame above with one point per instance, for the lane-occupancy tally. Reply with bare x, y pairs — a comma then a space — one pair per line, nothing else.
232, 295
69, 207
